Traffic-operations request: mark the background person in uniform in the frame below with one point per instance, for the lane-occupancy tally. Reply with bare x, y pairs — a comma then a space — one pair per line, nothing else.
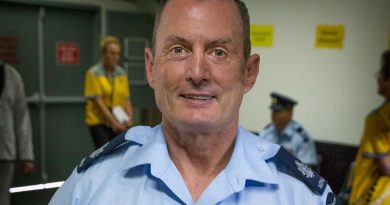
107, 87
371, 175
15, 130
199, 67
287, 132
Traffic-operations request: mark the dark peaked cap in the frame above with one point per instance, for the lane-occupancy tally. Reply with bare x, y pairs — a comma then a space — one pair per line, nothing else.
280, 102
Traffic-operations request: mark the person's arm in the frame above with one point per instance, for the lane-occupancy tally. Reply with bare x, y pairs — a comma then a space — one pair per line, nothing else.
23, 129
383, 162
381, 148
69, 192
377, 149
307, 153
94, 93
117, 126
128, 104
129, 111
306, 150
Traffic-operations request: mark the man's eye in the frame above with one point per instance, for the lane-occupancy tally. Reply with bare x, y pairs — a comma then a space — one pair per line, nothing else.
177, 50
219, 52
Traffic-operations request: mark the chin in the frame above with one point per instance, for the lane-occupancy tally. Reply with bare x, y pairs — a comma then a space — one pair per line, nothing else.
204, 128
198, 123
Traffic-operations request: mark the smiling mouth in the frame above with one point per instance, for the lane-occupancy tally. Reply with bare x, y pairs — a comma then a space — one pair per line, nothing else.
198, 97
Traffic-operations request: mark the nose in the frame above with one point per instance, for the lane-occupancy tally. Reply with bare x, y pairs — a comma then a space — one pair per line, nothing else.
198, 71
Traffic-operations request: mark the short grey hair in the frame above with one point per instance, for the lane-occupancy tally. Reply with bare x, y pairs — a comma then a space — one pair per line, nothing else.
245, 20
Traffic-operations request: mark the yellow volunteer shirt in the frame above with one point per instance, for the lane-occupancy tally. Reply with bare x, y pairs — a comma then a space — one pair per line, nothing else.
112, 87
368, 187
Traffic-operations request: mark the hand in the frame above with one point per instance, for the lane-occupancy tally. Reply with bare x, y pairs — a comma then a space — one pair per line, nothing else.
27, 167
118, 127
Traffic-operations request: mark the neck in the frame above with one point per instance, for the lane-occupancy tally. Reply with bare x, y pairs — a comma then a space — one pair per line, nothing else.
109, 67
199, 157
280, 128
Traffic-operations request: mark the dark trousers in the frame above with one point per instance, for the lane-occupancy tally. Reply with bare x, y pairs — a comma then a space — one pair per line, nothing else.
101, 134
6, 177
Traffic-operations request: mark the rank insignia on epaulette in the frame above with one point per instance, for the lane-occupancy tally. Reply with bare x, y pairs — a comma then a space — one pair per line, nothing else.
321, 183
98, 151
304, 169
290, 165
104, 150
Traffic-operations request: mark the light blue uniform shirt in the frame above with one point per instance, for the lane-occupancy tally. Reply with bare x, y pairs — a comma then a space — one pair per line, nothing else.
295, 139
140, 171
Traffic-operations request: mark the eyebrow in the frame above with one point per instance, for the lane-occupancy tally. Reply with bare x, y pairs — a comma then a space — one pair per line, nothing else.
218, 42
171, 40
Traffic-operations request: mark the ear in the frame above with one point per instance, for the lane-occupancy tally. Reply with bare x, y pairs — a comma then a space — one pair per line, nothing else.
149, 66
251, 71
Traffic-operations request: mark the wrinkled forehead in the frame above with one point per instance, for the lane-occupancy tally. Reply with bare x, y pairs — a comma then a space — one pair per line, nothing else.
214, 5
216, 14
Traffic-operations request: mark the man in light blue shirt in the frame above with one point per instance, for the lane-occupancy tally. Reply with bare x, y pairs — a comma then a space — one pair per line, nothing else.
199, 67
287, 132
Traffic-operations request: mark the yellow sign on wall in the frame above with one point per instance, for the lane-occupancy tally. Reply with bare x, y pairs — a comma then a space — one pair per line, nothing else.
330, 36
389, 40
262, 35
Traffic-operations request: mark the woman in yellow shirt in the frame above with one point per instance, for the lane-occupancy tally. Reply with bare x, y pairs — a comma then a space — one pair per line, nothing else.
107, 88
371, 175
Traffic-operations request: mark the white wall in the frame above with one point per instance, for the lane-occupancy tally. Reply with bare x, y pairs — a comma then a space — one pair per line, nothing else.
335, 88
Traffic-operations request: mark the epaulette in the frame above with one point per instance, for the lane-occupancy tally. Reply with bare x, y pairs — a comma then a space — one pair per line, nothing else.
290, 165
104, 150
301, 131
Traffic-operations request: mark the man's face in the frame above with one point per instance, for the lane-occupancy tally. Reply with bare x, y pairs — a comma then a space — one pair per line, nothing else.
281, 118
198, 71
111, 55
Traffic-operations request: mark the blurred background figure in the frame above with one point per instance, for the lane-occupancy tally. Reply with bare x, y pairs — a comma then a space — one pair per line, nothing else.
109, 109
288, 133
15, 130
370, 180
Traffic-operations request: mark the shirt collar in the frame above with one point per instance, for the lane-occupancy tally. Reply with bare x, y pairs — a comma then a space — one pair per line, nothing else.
104, 70
288, 130
247, 161
152, 149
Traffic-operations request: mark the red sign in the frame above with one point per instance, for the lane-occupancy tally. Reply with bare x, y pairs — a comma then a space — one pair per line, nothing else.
67, 53
8, 49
